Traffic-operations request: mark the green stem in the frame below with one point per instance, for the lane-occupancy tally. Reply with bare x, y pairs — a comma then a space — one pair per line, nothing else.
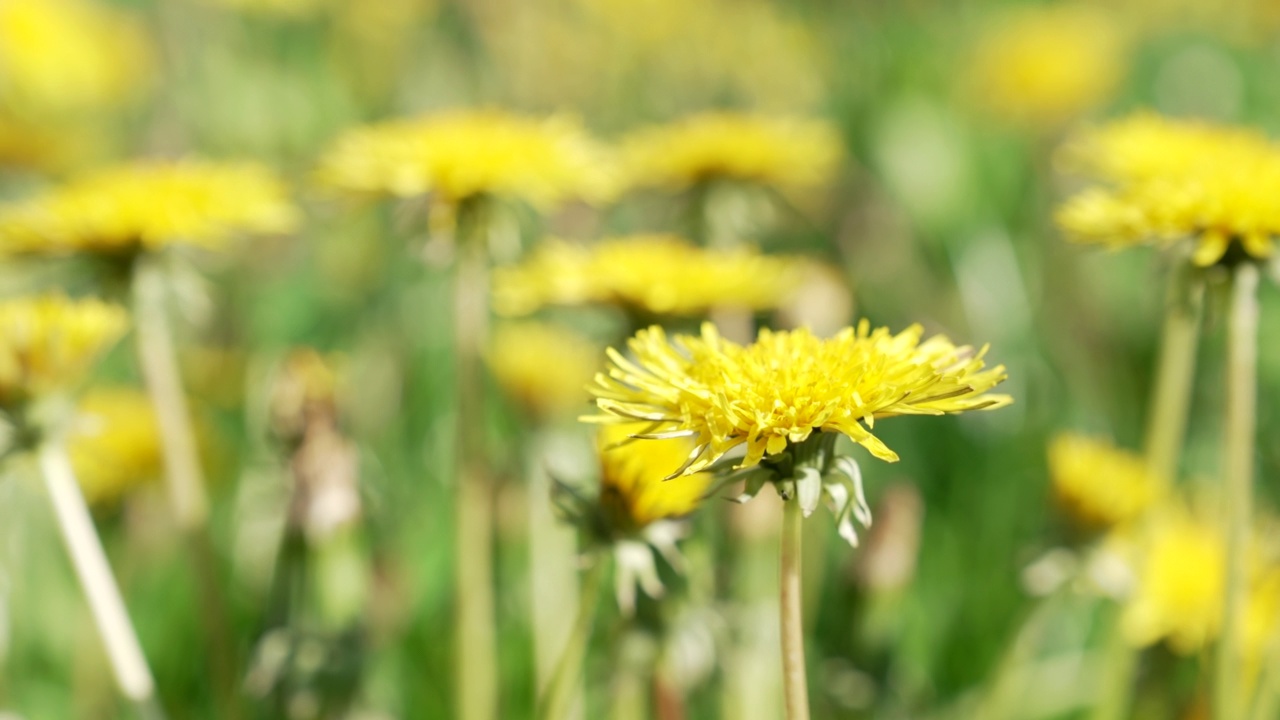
1119, 667
1175, 372
794, 681
1239, 427
557, 698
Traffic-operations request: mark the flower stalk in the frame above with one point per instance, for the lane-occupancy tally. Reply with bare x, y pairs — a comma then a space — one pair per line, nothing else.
1239, 427
557, 697
794, 679
1175, 372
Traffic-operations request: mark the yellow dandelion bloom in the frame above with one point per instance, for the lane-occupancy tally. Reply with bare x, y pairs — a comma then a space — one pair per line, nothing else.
1164, 180
633, 490
544, 367
1181, 581
1099, 484
656, 274
1044, 66
783, 152
114, 443
48, 343
786, 386
466, 153
147, 205
68, 55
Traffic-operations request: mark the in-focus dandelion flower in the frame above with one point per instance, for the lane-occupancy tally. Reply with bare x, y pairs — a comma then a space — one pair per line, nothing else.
148, 205
463, 154
1099, 484
649, 274
1181, 581
782, 152
1044, 66
544, 367
787, 386
1166, 180
59, 56
114, 443
47, 344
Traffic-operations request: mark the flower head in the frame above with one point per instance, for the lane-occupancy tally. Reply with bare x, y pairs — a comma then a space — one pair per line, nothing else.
48, 343
1163, 180
634, 490
544, 367
462, 154
786, 153
61, 56
148, 205
652, 274
1047, 65
114, 443
1099, 484
787, 386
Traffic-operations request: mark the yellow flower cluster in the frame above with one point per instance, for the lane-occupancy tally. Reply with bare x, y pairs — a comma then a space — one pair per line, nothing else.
48, 343
147, 205
656, 274
1099, 484
466, 153
114, 443
1164, 180
782, 152
1044, 66
786, 386
1181, 581
633, 488
61, 56
544, 367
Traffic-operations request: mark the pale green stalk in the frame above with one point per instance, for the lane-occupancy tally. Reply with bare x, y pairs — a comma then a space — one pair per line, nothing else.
556, 699
1175, 372
794, 679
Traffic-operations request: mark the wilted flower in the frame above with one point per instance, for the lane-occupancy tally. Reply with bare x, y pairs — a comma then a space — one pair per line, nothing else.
463, 154
1044, 66
1099, 484
114, 443
785, 153
1165, 180
651, 274
60, 56
544, 367
47, 344
148, 205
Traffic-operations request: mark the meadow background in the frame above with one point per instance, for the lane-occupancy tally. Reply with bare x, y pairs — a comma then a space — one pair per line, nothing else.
941, 213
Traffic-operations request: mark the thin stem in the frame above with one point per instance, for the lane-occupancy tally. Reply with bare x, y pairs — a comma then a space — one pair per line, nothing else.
1119, 667
553, 576
100, 588
1239, 427
476, 633
557, 697
183, 474
794, 681
1175, 372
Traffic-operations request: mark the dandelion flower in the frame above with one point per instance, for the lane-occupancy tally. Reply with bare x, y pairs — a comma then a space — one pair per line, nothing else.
1181, 580
649, 274
544, 367
1099, 484
782, 152
463, 154
787, 386
1164, 180
633, 485
114, 443
148, 205
1044, 66
48, 343
62, 56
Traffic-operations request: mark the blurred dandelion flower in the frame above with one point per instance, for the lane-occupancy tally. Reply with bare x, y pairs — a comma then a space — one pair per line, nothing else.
544, 367
60, 56
787, 386
1261, 627
48, 343
1181, 581
148, 205
1165, 180
654, 274
1045, 66
1099, 484
782, 152
463, 154
114, 443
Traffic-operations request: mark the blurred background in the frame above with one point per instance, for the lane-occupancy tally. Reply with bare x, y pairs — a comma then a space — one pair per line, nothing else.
949, 113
